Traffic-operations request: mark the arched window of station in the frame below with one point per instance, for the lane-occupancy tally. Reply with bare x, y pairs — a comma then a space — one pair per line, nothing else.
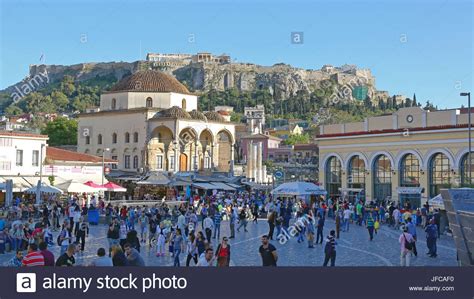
382, 178
467, 171
99, 139
439, 174
410, 177
356, 179
149, 102
113, 105
183, 104
127, 137
333, 171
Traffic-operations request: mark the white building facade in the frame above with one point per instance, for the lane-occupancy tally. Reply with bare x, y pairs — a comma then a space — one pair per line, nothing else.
149, 122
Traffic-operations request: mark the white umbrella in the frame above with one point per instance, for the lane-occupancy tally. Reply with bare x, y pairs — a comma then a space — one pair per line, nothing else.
44, 189
437, 202
298, 188
72, 186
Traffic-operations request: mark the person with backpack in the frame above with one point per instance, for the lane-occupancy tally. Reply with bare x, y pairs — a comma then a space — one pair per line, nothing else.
431, 236
406, 247
64, 238
330, 249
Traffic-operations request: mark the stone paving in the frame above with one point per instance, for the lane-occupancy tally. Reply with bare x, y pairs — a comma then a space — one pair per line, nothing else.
353, 249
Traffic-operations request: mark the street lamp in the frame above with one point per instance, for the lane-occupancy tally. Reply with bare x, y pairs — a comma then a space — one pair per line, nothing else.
103, 163
468, 95
40, 182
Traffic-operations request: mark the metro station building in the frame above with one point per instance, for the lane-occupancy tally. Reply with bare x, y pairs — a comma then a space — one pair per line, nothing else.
407, 156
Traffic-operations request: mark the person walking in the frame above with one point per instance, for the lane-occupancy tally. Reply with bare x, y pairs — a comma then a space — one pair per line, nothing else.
406, 247
177, 247
223, 253
143, 225
64, 238
191, 249
243, 219
339, 219
330, 249
113, 234
412, 231
232, 220
268, 252
82, 232
347, 218
320, 228
370, 226
431, 236
310, 232
160, 244
208, 227
217, 224
271, 223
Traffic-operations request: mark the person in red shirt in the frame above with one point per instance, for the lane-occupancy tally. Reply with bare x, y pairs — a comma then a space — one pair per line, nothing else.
34, 258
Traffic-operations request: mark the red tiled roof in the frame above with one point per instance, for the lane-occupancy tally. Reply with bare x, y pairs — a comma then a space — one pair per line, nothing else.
374, 132
57, 154
21, 134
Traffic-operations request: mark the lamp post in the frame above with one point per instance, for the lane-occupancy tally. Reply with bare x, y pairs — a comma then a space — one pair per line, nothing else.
103, 163
468, 95
40, 182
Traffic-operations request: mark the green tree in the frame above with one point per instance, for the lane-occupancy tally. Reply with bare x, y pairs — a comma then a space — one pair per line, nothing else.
67, 85
297, 139
13, 110
61, 131
60, 100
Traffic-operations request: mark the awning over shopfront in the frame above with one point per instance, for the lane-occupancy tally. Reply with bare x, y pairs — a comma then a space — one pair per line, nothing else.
256, 186
205, 186
43, 188
222, 186
156, 179
20, 184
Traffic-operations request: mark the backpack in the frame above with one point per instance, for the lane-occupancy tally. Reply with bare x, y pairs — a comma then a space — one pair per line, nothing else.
408, 245
328, 247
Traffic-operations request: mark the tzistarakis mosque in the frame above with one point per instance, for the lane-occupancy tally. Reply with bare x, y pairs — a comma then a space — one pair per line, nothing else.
149, 121
405, 156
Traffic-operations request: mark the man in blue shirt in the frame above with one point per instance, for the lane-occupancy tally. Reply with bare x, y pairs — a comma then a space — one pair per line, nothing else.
431, 236
217, 225
412, 231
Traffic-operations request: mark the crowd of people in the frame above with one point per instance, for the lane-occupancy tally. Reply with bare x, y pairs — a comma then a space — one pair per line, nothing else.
193, 229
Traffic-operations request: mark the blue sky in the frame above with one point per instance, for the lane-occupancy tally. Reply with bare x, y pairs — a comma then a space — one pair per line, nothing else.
422, 46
